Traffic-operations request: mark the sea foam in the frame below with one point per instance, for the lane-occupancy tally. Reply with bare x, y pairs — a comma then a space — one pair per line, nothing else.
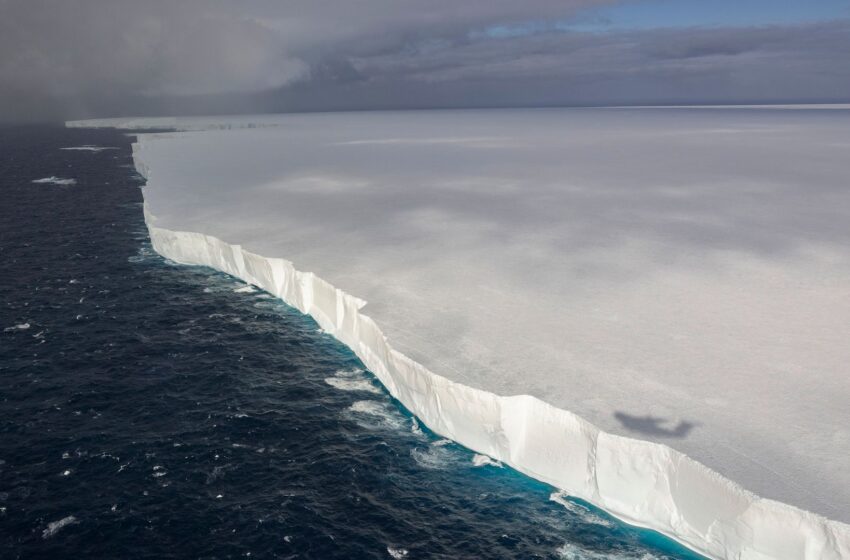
55, 181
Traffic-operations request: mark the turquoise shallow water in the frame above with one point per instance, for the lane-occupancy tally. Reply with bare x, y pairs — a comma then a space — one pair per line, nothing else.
150, 410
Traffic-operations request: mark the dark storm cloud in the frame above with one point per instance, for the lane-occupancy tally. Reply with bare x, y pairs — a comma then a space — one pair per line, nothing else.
77, 58
766, 64
69, 51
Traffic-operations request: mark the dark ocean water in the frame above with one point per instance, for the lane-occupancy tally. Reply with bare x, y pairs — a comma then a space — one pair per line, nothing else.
149, 410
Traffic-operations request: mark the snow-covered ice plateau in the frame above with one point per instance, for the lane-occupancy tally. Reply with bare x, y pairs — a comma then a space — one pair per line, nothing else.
637, 306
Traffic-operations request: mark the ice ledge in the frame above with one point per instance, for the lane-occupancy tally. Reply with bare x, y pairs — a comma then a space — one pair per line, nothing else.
643, 483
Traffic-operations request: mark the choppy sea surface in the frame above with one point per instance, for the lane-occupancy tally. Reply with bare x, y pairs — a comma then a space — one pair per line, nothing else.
150, 410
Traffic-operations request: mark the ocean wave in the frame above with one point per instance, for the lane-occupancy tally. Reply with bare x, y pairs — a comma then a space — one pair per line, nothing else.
571, 551
479, 460
55, 181
352, 381
437, 456
56, 526
376, 415
580, 511
88, 148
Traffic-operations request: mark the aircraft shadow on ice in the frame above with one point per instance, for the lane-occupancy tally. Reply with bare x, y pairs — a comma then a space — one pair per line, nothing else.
654, 426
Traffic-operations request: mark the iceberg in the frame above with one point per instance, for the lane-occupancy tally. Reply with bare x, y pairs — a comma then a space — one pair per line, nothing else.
638, 307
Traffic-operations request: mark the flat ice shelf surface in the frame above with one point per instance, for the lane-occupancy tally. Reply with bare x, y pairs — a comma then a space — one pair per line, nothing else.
676, 275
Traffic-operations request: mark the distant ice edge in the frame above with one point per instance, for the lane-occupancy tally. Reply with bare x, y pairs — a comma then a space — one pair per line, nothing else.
643, 483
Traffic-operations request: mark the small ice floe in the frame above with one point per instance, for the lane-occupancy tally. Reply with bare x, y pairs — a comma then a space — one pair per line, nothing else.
287, 538
18, 327
352, 380
397, 552
247, 289
579, 510
56, 526
53, 180
483, 460
88, 148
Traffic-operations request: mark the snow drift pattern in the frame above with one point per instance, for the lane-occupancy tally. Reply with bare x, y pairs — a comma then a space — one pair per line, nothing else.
643, 483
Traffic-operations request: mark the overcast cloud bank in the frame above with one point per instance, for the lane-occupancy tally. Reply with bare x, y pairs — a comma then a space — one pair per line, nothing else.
90, 58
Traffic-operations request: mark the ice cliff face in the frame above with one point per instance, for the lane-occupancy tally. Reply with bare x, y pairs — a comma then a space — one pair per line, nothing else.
671, 260
643, 483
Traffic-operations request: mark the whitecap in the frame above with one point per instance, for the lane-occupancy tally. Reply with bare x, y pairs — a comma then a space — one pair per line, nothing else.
56, 526
571, 551
352, 385
483, 460
18, 327
579, 510
353, 372
89, 148
376, 415
352, 380
436, 456
55, 181
397, 552
416, 428
247, 289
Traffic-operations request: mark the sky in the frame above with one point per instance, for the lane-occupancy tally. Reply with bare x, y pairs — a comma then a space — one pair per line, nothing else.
64, 59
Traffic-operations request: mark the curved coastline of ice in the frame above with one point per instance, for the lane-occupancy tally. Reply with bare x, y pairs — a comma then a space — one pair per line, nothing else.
643, 483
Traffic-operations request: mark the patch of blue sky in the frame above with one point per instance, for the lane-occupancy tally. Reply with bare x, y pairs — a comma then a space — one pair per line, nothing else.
652, 14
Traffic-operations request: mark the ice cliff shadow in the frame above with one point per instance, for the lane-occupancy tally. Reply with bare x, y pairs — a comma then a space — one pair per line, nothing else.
654, 426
